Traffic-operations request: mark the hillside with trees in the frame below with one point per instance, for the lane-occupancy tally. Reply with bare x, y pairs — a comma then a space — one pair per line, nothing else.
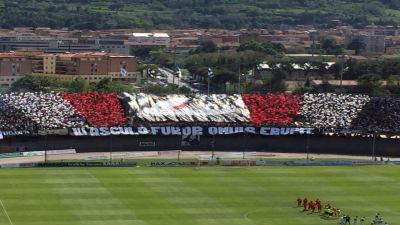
229, 14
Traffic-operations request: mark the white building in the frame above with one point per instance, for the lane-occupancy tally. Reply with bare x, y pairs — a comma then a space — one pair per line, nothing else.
373, 43
149, 39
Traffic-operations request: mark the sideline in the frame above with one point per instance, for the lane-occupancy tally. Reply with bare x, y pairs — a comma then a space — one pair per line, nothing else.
4, 208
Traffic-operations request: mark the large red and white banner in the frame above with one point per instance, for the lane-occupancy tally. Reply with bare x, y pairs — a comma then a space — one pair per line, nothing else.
182, 108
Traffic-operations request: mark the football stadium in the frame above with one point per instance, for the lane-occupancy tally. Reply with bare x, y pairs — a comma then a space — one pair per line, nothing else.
134, 158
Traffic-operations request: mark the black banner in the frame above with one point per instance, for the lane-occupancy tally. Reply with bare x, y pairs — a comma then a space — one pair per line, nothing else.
188, 131
15, 133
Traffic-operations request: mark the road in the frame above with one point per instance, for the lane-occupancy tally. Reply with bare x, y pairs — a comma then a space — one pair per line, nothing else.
178, 81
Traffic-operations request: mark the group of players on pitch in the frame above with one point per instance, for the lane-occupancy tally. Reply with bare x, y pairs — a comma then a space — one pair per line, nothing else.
332, 212
314, 206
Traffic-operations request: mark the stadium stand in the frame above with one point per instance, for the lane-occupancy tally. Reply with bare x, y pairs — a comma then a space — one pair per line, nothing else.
273, 109
330, 110
27, 111
380, 114
99, 109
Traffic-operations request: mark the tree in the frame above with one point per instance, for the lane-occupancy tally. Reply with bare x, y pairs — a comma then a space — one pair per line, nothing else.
207, 47
393, 84
107, 85
47, 83
277, 82
143, 51
79, 85
194, 13
161, 57
164, 89
357, 45
267, 48
370, 84
151, 67
38, 83
117, 6
331, 47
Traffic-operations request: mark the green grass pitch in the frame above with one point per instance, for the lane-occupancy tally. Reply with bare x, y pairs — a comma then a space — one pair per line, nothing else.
194, 196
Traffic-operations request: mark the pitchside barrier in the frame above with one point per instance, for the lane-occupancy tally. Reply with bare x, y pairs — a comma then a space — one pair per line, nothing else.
200, 163
171, 164
19, 165
11, 155
182, 164
268, 163
70, 164
238, 163
127, 155
37, 153
235, 155
333, 163
314, 144
87, 164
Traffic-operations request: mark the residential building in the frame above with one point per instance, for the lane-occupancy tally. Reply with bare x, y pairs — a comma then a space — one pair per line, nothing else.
222, 38
65, 45
91, 66
15, 65
149, 39
373, 43
183, 45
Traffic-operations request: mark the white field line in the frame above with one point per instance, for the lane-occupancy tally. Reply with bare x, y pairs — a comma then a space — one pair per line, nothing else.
4, 208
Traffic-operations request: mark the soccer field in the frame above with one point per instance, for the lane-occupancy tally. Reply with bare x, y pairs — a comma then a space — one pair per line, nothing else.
191, 196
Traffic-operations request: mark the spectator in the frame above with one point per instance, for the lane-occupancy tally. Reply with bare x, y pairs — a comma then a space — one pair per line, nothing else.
28, 111
273, 109
381, 115
99, 109
330, 110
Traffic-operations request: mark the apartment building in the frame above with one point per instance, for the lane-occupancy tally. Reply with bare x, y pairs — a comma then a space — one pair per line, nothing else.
373, 43
91, 66
225, 40
15, 65
149, 39
64, 45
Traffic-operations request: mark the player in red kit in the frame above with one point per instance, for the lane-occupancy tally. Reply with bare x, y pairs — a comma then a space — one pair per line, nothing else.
310, 205
299, 202
334, 211
318, 201
319, 206
314, 206
305, 203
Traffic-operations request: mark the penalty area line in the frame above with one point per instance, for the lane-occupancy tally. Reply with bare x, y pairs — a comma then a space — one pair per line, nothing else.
4, 208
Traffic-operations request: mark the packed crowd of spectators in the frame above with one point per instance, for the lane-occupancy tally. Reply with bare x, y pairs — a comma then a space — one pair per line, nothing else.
28, 111
98, 109
380, 114
273, 109
181, 108
12, 119
329, 110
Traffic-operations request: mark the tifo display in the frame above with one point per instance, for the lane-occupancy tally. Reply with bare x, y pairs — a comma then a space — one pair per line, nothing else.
33, 113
